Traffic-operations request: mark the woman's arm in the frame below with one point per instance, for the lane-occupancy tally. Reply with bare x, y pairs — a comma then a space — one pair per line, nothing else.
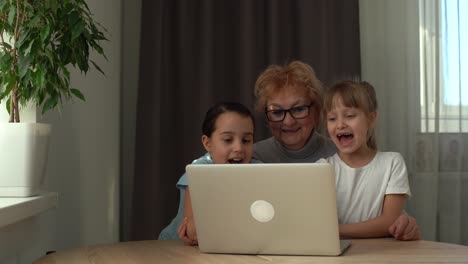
186, 230
379, 226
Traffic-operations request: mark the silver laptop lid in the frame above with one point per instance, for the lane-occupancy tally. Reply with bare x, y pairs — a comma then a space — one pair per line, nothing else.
287, 209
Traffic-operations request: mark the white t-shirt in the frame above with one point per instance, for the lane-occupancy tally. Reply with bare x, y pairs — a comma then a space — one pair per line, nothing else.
360, 191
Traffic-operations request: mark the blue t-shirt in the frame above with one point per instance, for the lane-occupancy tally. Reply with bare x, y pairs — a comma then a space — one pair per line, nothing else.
170, 231
183, 181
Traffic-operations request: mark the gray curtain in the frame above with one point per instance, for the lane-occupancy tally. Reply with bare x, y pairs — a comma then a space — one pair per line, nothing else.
195, 53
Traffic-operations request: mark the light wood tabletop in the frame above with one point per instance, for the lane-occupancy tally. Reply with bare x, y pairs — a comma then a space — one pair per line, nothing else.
360, 251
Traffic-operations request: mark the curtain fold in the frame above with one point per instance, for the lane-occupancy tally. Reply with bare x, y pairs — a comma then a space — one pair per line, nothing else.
195, 53
416, 68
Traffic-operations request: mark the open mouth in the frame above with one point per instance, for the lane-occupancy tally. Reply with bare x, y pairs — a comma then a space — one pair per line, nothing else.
344, 136
290, 130
235, 161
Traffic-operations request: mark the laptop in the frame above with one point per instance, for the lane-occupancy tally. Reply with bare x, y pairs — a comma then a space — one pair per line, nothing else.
277, 209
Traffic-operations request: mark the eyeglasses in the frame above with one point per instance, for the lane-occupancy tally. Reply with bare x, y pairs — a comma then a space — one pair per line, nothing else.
297, 112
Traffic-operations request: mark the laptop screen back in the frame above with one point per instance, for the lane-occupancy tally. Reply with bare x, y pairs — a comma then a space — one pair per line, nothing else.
287, 209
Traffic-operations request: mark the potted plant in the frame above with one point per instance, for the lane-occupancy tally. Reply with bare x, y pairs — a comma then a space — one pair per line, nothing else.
39, 41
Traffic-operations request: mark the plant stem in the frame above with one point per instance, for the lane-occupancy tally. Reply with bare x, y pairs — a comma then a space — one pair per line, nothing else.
14, 109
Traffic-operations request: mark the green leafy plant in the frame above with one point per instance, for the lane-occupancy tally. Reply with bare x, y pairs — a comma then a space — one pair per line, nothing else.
39, 39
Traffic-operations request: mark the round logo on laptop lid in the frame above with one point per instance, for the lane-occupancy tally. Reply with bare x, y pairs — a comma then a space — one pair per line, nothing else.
262, 211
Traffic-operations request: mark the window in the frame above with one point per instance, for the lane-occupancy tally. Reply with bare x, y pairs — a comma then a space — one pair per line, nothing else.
444, 65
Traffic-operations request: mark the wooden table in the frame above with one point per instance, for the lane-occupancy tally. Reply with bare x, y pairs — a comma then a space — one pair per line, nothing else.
361, 251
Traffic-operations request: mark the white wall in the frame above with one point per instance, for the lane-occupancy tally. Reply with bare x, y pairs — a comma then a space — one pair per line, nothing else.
84, 162
83, 165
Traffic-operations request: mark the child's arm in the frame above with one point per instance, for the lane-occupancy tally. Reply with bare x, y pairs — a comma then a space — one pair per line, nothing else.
377, 227
186, 230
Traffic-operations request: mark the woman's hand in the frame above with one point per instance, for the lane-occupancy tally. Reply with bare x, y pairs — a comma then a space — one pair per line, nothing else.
187, 232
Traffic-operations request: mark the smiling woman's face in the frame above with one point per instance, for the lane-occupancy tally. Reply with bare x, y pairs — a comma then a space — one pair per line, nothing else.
292, 133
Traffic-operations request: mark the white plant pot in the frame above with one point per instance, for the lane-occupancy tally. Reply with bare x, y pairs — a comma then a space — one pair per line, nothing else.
23, 158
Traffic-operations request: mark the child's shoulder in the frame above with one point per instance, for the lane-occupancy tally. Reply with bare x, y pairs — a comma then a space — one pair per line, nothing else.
389, 156
205, 159
332, 159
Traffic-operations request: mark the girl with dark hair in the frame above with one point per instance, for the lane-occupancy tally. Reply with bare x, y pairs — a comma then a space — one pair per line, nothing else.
228, 134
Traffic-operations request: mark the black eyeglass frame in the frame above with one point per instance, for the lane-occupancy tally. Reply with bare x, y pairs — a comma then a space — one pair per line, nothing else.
284, 111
